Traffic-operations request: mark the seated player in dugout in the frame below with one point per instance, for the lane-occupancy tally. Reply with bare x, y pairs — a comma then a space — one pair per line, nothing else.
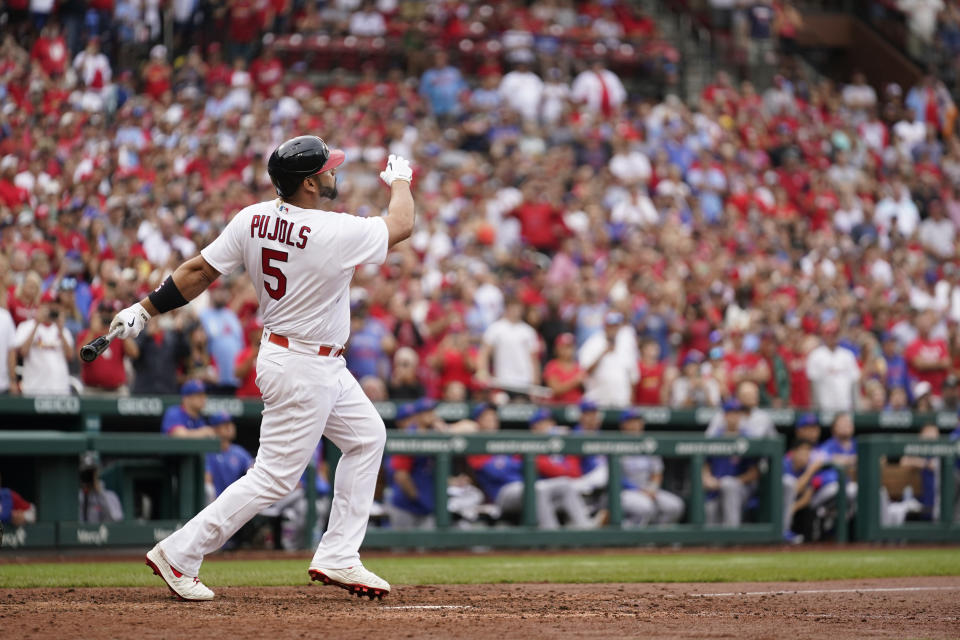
186, 420
916, 494
799, 468
643, 497
413, 494
729, 481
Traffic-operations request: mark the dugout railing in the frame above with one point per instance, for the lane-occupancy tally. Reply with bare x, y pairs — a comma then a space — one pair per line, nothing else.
143, 414
873, 451
52, 458
691, 451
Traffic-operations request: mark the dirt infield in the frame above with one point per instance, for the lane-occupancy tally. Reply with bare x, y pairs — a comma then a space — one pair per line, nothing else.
892, 608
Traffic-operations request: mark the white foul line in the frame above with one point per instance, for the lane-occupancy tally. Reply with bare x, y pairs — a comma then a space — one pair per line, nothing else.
814, 591
430, 606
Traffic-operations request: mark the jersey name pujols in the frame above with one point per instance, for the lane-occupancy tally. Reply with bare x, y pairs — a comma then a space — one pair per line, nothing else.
279, 229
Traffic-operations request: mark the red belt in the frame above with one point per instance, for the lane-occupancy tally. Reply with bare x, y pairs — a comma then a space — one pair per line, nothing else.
324, 350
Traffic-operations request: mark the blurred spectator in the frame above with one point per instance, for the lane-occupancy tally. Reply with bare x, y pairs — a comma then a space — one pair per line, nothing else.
161, 347
245, 366
514, 348
8, 349
186, 420
50, 50
14, 509
96, 503
729, 480
599, 90
107, 374
563, 375
743, 364
199, 363
47, 350
454, 361
922, 398
370, 346
644, 500
776, 391
404, 383
609, 359
928, 359
896, 374
690, 387
225, 335
367, 21
651, 387
26, 298
442, 86
521, 89
833, 372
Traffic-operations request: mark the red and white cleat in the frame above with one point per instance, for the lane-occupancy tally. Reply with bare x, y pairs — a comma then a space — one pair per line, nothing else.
184, 587
357, 580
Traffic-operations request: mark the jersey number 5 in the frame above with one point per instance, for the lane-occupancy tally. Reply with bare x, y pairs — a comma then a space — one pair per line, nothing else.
271, 255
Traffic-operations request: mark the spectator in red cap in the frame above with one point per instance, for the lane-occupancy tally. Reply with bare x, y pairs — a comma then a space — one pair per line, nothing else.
833, 372
928, 359
563, 375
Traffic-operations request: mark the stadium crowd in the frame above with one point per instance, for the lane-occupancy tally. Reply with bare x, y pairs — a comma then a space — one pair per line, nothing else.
794, 245
628, 251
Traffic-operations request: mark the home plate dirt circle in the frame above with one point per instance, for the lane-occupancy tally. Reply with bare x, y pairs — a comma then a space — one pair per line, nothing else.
893, 608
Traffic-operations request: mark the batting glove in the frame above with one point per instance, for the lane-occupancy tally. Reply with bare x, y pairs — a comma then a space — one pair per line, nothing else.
397, 169
130, 322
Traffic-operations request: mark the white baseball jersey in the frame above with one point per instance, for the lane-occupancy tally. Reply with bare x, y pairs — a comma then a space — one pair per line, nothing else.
301, 262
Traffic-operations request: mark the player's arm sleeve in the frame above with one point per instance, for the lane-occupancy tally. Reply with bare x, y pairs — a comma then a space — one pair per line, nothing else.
362, 240
225, 253
171, 420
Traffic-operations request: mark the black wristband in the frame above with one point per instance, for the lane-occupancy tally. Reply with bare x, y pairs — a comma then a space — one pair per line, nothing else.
167, 297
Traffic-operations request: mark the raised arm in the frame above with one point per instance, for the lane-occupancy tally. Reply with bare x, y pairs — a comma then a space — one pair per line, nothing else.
400, 211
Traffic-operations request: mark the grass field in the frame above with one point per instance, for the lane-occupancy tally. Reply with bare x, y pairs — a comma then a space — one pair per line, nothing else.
571, 568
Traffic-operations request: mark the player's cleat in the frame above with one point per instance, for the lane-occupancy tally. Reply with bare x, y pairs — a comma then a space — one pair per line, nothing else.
357, 580
184, 587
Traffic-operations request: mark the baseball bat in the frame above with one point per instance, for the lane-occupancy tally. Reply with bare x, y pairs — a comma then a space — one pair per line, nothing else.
90, 351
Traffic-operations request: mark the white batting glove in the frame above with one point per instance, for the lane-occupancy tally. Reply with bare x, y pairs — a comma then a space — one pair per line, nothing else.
397, 169
130, 321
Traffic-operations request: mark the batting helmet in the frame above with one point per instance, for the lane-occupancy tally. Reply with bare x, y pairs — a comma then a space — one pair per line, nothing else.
299, 158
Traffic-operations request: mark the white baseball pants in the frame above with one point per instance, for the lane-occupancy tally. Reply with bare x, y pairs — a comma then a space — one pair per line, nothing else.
305, 396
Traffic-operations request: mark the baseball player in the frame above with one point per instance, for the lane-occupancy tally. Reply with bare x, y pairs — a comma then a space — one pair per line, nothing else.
301, 259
